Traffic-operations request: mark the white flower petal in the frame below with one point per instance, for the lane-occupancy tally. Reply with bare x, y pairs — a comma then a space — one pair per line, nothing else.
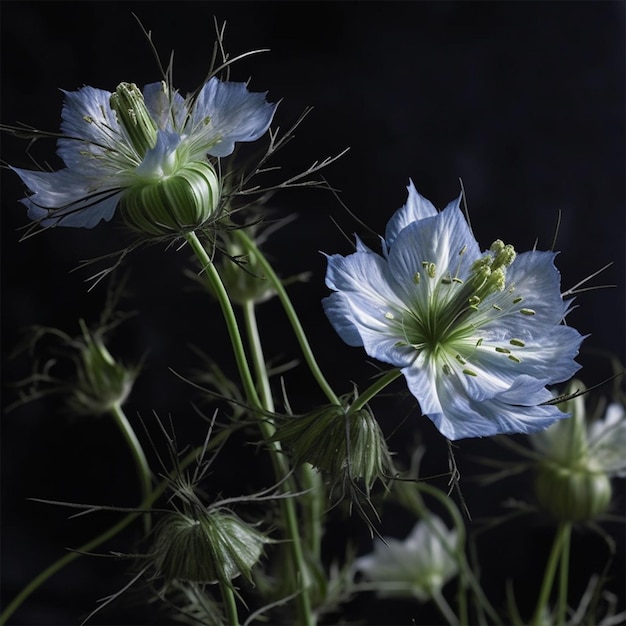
416, 208
63, 199
168, 110
337, 308
607, 439
535, 278
444, 240
226, 112
89, 125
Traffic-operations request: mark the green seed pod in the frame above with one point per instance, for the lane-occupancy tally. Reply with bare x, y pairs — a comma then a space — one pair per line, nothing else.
101, 382
216, 546
339, 442
572, 494
174, 204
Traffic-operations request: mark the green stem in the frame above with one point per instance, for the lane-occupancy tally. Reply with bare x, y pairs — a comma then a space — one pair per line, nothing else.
229, 602
279, 461
91, 545
219, 291
563, 576
143, 469
561, 541
445, 608
281, 469
258, 360
379, 384
292, 316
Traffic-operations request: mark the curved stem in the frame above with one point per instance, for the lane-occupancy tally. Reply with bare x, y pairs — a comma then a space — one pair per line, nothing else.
228, 599
143, 469
307, 352
561, 540
374, 389
91, 545
281, 470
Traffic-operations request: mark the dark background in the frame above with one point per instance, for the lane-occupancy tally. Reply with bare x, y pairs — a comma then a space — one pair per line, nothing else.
522, 101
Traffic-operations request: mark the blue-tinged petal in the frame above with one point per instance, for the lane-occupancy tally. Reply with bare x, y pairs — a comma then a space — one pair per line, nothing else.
380, 329
536, 280
464, 418
483, 382
548, 355
444, 240
337, 309
421, 379
416, 208
361, 272
65, 199
89, 124
161, 160
226, 112
361, 247
168, 110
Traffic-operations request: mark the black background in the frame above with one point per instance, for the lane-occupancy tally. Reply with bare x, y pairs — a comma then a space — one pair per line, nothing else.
522, 101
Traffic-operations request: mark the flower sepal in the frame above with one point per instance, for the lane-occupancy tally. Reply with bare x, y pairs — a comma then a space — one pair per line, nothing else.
338, 441
209, 546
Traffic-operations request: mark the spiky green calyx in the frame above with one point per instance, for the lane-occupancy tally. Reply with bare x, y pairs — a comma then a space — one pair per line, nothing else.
339, 442
210, 547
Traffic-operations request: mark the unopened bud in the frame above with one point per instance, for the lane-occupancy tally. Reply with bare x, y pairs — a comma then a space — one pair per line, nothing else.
572, 494
214, 546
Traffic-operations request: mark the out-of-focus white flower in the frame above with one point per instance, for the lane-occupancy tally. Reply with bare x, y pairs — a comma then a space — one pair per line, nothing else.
417, 567
577, 457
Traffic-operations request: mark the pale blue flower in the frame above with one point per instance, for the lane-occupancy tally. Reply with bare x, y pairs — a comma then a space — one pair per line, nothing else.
127, 141
478, 336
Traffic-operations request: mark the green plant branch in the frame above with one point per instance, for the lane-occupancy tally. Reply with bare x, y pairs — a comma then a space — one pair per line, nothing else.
561, 542
279, 463
292, 316
374, 389
143, 469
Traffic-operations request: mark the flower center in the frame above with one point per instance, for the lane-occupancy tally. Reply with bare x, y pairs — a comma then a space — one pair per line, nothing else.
132, 114
447, 319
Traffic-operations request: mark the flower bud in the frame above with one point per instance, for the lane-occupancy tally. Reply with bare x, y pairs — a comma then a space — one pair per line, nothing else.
338, 441
572, 494
101, 383
215, 546
174, 204
571, 481
244, 280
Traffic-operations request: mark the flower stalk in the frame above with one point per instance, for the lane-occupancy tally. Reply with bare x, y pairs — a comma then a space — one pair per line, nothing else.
279, 463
